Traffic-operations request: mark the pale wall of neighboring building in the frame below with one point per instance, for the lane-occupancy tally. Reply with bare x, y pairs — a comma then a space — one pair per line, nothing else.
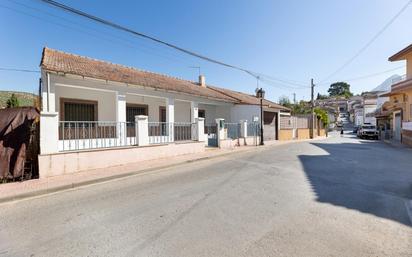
358, 116
409, 66
368, 114
381, 100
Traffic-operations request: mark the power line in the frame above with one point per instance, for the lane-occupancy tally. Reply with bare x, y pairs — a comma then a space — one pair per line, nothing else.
364, 76
156, 40
19, 70
296, 84
136, 33
127, 43
349, 61
277, 84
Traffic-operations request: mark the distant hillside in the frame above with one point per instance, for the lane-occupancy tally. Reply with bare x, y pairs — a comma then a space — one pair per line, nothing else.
25, 99
386, 85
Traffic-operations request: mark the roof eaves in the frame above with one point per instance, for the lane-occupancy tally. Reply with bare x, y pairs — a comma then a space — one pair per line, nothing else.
399, 55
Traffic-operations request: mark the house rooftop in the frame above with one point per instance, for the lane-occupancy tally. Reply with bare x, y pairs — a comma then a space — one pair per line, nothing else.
401, 54
67, 63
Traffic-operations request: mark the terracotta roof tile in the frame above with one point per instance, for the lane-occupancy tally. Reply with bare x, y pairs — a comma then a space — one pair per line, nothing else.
58, 61
248, 99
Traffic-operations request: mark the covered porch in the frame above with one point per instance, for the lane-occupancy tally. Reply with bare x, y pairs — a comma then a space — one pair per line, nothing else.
92, 114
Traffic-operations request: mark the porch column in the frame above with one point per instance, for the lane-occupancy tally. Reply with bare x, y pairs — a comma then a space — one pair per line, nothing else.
194, 111
121, 117
49, 118
243, 128
194, 114
170, 118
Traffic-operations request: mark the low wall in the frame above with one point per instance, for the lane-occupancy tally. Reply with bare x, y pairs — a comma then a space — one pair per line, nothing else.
407, 137
322, 133
232, 143
71, 162
303, 133
285, 134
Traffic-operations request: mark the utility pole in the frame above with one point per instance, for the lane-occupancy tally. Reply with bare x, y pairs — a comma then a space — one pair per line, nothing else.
294, 98
312, 125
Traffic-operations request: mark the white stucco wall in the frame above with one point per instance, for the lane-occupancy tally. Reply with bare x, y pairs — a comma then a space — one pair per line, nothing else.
210, 112
152, 103
244, 112
182, 111
223, 112
69, 86
106, 101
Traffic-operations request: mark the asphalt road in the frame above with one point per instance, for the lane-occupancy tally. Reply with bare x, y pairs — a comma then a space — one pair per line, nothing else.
335, 197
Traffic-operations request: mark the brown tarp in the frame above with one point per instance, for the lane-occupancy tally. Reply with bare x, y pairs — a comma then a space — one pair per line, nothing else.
15, 124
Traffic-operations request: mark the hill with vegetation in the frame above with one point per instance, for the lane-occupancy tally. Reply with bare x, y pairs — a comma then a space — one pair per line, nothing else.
25, 99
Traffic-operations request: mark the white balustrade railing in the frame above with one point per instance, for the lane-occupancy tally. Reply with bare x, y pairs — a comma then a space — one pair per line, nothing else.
83, 135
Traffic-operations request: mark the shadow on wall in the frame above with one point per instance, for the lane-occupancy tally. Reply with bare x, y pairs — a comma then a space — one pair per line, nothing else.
369, 177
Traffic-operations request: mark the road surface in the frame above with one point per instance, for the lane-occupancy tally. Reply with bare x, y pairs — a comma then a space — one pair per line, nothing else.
334, 197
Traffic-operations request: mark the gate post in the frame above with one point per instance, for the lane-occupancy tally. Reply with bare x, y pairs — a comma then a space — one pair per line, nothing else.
200, 129
49, 132
243, 128
220, 130
142, 130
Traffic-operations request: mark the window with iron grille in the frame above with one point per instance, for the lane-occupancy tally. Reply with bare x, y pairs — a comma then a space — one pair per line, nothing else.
133, 110
201, 113
78, 110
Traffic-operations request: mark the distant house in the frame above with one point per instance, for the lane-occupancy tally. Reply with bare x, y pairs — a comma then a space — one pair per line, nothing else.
399, 107
93, 104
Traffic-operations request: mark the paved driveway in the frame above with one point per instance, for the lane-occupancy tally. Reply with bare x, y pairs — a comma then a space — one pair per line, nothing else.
335, 197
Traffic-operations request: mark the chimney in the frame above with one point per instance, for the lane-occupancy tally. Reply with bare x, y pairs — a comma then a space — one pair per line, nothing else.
202, 81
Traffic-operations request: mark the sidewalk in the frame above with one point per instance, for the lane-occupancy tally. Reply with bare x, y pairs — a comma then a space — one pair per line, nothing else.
37, 187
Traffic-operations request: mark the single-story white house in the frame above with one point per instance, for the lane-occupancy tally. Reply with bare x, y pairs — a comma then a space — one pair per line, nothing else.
91, 106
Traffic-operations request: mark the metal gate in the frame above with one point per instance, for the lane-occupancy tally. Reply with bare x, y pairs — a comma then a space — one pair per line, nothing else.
211, 131
253, 130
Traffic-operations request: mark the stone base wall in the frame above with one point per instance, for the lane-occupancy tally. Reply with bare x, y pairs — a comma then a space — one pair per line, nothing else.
303, 133
285, 134
322, 133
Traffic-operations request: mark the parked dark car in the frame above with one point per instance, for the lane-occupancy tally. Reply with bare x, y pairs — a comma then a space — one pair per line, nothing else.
355, 129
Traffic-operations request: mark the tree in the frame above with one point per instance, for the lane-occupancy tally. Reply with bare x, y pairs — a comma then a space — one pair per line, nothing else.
322, 115
340, 89
284, 101
301, 108
13, 101
321, 97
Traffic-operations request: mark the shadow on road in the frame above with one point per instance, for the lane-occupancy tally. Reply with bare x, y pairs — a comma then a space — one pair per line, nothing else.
369, 177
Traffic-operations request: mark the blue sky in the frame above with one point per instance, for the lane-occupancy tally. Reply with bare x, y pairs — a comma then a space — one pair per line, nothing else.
292, 40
